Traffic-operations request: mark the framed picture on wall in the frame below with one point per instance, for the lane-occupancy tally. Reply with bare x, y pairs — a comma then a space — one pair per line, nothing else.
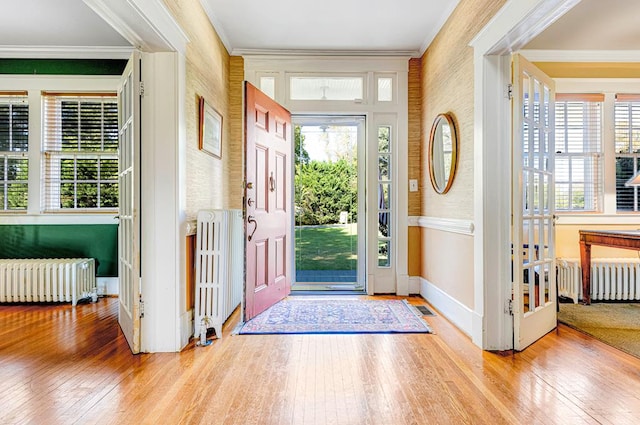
210, 140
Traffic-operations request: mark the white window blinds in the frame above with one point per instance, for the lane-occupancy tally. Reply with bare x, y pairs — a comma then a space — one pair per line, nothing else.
579, 176
80, 158
14, 145
627, 147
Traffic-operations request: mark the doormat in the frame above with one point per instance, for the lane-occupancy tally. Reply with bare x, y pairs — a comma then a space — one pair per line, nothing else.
298, 315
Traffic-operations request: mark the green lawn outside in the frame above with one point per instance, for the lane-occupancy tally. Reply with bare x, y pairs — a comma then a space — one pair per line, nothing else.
332, 247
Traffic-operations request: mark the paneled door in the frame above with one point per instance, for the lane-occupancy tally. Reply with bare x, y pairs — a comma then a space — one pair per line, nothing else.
268, 150
533, 253
129, 202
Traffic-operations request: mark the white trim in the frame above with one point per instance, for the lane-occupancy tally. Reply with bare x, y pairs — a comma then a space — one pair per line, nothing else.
509, 30
386, 280
517, 23
107, 285
186, 327
190, 227
292, 53
415, 284
65, 52
44, 219
413, 221
453, 225
163, 280
581, 55
454, 311
217, 26
598, 219
320, 64
146, 24
437, 26
401, 155
34, 85
158, 16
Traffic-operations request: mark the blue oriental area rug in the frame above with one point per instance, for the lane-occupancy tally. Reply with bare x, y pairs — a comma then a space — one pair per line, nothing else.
300, 315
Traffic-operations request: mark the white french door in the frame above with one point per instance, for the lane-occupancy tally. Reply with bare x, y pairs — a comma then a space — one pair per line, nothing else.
129, 202
533, 251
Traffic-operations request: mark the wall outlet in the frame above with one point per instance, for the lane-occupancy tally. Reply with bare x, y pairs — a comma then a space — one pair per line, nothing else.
413, 185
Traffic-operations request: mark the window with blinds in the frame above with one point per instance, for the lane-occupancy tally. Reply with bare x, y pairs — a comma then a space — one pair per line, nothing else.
579, 179
80, 153
627, 147
14, 145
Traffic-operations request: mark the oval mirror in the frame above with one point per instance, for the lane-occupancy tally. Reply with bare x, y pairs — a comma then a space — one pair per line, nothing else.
443, 153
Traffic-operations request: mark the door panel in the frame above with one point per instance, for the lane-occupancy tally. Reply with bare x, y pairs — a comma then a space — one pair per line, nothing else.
129, 203
534, 289
268, 194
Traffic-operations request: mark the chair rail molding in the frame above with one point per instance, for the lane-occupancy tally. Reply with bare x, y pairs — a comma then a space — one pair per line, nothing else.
452, 225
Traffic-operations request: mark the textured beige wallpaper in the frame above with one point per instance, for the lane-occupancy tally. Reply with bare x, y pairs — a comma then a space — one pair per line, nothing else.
209, 182
235, 160
415, 132
447, 86
447, 78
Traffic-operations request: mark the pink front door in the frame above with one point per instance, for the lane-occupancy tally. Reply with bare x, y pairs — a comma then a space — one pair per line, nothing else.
267, 201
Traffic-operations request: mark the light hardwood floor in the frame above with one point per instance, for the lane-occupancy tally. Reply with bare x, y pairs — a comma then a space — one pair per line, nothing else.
64, 365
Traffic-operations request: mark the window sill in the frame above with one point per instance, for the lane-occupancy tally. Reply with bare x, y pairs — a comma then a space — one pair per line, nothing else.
588, 218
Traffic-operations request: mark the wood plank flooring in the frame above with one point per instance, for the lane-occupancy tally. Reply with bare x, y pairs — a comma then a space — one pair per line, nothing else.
65, 365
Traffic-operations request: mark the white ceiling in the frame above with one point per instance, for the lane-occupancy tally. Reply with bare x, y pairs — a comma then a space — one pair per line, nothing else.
329, 25
54, 23
369, 26
594, 25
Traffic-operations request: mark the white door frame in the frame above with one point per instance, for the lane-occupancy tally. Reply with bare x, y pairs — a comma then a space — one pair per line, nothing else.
379, 280
511, 28
165, 326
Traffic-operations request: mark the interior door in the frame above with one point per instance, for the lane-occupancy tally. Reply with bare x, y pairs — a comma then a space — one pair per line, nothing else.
534, 288
268, 147
129, 202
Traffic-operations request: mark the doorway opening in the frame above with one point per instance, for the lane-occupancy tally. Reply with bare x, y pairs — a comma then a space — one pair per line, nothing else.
329, 203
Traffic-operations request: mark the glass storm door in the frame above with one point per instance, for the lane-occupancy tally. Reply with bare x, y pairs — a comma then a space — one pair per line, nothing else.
329, 213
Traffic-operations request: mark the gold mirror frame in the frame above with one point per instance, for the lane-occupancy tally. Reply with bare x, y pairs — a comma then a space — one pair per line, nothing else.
441, 178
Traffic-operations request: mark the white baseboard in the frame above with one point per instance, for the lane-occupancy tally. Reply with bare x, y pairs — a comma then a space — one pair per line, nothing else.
108, 286
186, 327
414, 284
455, 312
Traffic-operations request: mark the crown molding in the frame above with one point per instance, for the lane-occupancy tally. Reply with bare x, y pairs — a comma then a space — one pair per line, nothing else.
332, 53
65, 52
217, 25
435, 29
581, 55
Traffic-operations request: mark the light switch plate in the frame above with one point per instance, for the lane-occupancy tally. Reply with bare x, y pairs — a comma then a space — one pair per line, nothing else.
413, 185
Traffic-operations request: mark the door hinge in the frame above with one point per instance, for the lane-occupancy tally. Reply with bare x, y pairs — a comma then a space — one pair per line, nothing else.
141, 307
509, 307
509, 91
141, 89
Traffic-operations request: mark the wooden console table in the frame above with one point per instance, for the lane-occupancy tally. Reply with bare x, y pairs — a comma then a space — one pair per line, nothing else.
626, 239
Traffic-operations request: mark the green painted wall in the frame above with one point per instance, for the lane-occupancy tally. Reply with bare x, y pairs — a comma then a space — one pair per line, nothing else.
62, 66
99, 241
